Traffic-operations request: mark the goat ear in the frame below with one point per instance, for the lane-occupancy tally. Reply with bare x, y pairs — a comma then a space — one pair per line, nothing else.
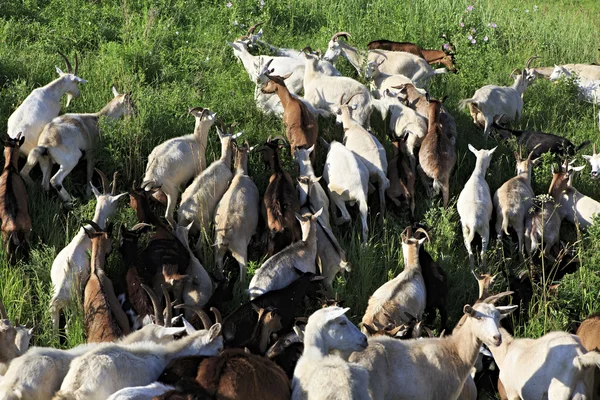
576, 169
115, 92
59, 71
310, 149
316, 215
490, 152
164, 332
538, 160
117, 197
187, 326
506, 310
214, 331
587, 157
517, 157
95, 191
467, 309
315, 179
298, 217
473, 149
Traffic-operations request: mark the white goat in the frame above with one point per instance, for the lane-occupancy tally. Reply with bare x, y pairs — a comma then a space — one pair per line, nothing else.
380, 81
322, 374
66, 138
282, 268
71, 267
504, 102
542, 227
107, 369
200, 199
435, 368
42, 105
236, 216
348, 181
589, 89
318, 197
586, 71
141, 392
475, 205
555, 366
14, 340
176, 161
594, 160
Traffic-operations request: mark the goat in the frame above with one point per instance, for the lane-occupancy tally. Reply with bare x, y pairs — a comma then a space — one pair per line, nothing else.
555, 365
70, 269
367, 149
419, 374
236, 215
401, 178
430, 55
347, 180
318, 198
141, 392
589, 332
594, 161
42, 105
437, 155
301, 127
200, 199
506, 102
176, 161
280, 270
287, 351
586, 71
67, 138
542, 227
514, 198
280, 201
380, 81
575, 207
14, 208
475, 205
235, 374
404, 295
540, 142
14, 340
320, 374
105, 321
409, 65
589, 89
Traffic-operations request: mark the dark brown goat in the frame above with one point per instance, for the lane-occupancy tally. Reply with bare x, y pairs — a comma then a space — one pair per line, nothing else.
402, 179
437, 155
14, 212
301, 127
235, 374
280, 203
105, 321
430, 55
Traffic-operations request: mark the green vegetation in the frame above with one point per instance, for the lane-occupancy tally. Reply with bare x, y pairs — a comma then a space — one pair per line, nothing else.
172, 55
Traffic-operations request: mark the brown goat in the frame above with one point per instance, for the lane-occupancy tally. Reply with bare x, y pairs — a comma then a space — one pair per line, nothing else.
589, 334
437, 155
235, 374
269, 321
402, 179
14, 213
301, 127
280, 203
105, 320
430, 55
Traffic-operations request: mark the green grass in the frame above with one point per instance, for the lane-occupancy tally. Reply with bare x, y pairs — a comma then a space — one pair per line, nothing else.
172, 55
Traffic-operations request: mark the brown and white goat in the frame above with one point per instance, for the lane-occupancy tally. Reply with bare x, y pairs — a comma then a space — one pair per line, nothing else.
402, 179
280, 203
14, 213
301, 127
430, 55
105, 320
437, 155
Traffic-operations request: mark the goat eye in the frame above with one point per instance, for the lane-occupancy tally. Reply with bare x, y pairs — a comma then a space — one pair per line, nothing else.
343, 323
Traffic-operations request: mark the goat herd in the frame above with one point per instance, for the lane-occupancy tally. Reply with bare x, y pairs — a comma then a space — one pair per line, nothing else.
266, 349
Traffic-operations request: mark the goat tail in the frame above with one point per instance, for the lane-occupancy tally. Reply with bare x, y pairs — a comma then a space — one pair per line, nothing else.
464, 102
471, 233
345, 266
582, 145
440, 71
590, 359
35, 154
437, 186
505, 222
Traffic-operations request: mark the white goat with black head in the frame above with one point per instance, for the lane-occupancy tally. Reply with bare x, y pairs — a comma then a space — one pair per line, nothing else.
321, 373
500, 103
42, 105
66, 138
71, 267
176, 161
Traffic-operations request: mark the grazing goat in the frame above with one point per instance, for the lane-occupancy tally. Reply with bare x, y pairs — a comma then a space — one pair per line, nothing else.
176, 161
14, 340
574, 206
14, 208
67, 138
237, 375
380, 81
105, 320
70, 269
367, 149
420, 373
42, 105
500, 103
301, 127
585, 71
280, 201
402, 296
347, 180
287, 351
437, 155
513, 200
475, 205
430, 55
542, 226
236, 215
589, 89
554, 366
401, 178
280, 270
318, 198
594, 160
322, 374
200, 199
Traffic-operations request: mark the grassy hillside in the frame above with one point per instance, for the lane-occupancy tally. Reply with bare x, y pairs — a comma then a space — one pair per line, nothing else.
172, 55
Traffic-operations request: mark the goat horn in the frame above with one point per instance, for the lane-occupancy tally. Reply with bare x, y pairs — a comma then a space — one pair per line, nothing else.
530, 60
517, 70
424, 233
218, 317
168, 307
104, 180
206, 322
93, 224
253, 28
114, 184
351, 97
530, 154
594, 148
279, 137
335, 37
158, 315
268, 64
76, 64
307, 49
69, 69
191, 110
494, 298
140, 225
3, 314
